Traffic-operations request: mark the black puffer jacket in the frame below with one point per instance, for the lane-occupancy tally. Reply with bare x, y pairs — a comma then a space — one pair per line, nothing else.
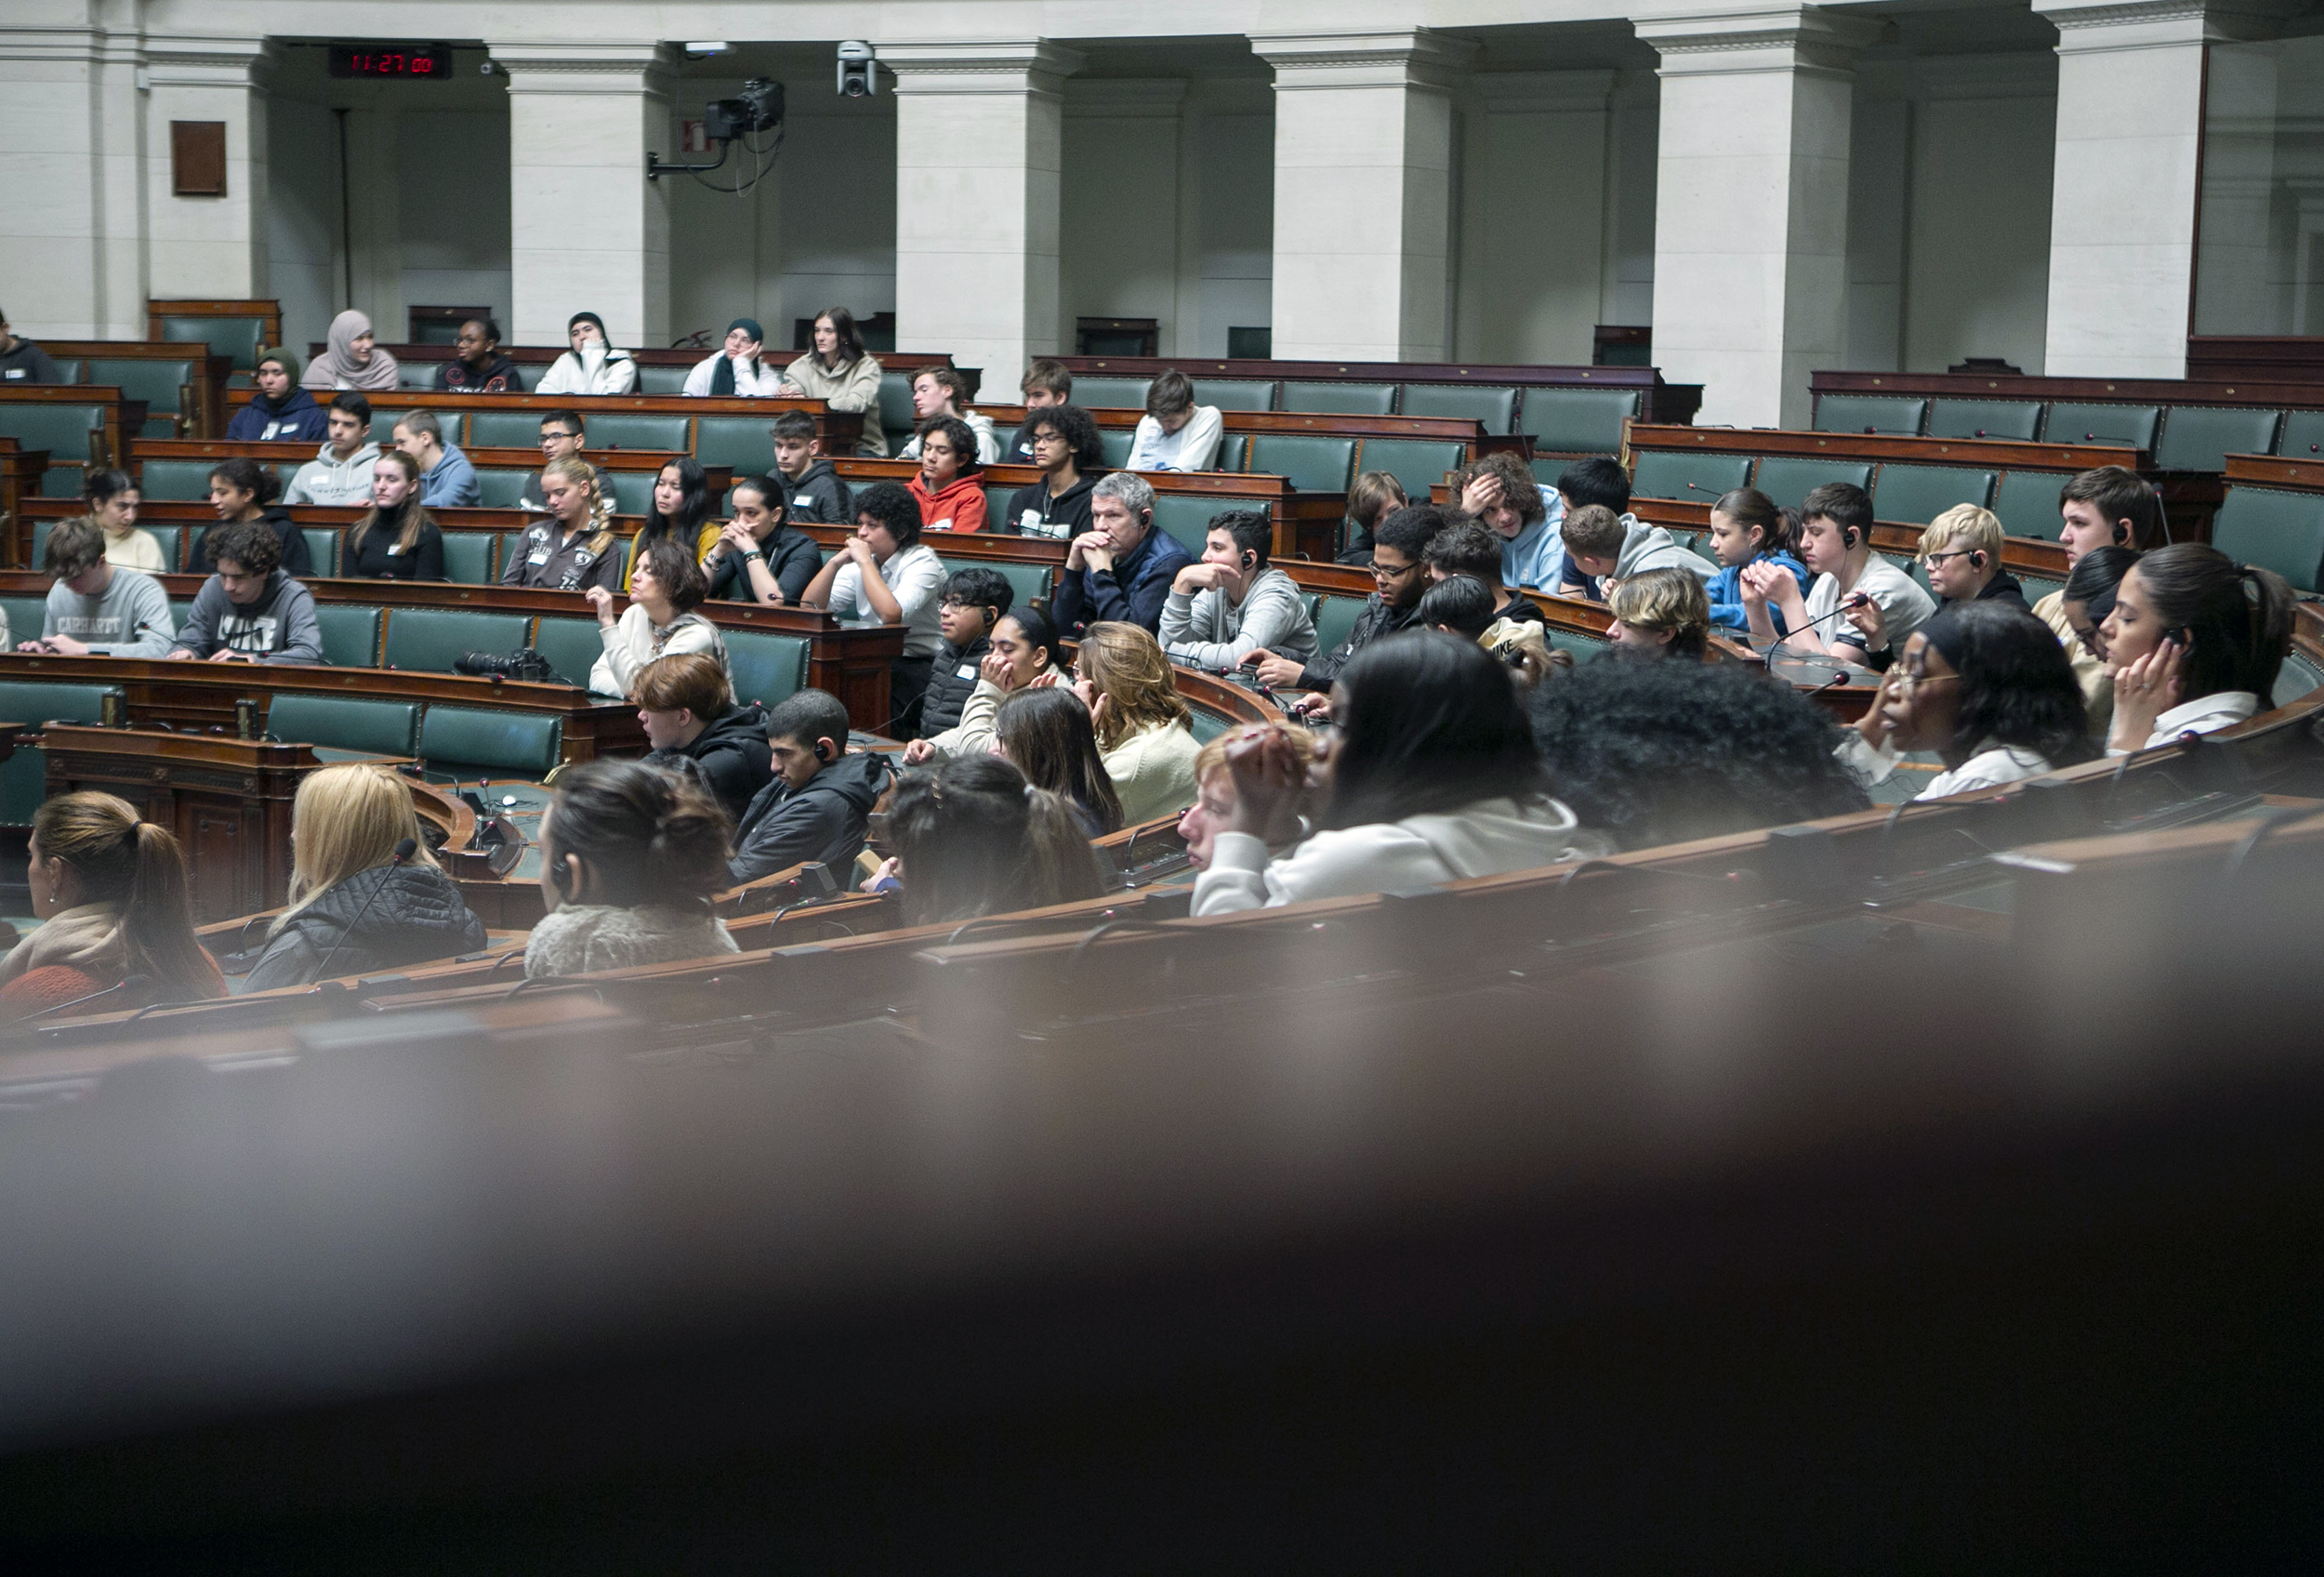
416, 914
951, 681
824, 821
733, 755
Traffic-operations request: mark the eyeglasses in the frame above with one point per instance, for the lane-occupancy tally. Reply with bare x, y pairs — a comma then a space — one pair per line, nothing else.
1907, 681
1381, 572
1950, 553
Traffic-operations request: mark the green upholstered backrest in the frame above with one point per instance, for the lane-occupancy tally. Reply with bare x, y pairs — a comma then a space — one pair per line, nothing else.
2037, 587
168, 538
1577, 421
632, 430
61, 480
1917, 495
1340, 399
416, 373
1311, 462
2201, 437
768, 668
662, 380
1098, 393
347, 723
744, 443
157, 383
1027, 583
1234, 452
69, 369
1235, 394
238, 339
1206, 725
1786, 479
471, 742
1871, 413
351, 634
572, 646
26, 616
1113, 443
23, 777
2075, 421
2302, 438
2026, 502
1419, 464
1495, 405
174, 482
997, 496
67, 432
470, 557
1581, 647
1683, 473
896, 416
454, 425
2019, 420
2298, 677
2274, 530
322, 549
1333, 618
504, 429
1187, 516
633, 491
431, 639
1910, 564
500, 488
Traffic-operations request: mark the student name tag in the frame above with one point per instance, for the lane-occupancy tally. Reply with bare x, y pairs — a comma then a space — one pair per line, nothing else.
944, 524
17, 372
1030, 520
538, 557
802, 501
966, 670
395, 546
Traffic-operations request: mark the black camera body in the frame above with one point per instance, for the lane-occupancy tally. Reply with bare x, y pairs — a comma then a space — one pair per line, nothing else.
525, 664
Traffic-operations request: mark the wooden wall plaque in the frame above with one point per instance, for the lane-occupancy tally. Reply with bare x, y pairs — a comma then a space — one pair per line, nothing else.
197, 158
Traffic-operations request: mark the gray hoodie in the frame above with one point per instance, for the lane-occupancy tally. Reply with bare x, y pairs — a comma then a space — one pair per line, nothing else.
130, 619
279, 627
1650, 547
327, 481
1203, 630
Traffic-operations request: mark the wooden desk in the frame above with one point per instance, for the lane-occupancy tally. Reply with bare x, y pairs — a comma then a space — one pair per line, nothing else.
841, 431
484, 458
1659, 400
1466, 431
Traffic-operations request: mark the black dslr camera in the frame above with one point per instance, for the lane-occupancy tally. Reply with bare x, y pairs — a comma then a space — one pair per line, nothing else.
525, 664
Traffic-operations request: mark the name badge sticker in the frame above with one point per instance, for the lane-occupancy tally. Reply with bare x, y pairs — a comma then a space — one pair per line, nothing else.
538, 557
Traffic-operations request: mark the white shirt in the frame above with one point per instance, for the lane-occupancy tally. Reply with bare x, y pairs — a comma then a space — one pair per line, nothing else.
1192, 448
1903, 607
2205, 714
913, 576
601, 370
1991, 767
764, 383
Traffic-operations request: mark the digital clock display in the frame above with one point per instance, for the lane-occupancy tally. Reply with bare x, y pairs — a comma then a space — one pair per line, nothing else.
408, 61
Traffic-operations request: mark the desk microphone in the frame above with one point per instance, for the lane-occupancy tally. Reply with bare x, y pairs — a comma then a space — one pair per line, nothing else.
133, 983
1854, 600
403, 850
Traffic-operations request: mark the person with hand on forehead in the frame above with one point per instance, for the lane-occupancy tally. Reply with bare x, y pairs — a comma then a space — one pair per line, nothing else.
736, 371
592, 366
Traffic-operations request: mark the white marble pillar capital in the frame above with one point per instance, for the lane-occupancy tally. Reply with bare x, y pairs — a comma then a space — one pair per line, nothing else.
1756, 39
1400, 57
2159, 25
1015, 68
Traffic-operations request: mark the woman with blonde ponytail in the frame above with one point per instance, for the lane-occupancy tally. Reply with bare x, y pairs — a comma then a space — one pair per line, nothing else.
116, 916
574, 547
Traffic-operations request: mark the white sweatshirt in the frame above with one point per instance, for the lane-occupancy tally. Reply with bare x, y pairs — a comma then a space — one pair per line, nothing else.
1484, 838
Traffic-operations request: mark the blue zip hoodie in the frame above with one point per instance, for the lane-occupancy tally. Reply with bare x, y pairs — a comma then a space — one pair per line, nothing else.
1726, 593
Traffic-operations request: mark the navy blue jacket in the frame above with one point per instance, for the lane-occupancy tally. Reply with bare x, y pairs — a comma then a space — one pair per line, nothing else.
297, 418
1131, 593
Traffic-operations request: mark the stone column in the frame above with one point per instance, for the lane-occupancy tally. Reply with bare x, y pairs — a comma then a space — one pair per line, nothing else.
2122, 205
587, 230
1752, 205
978, 172
72, 253
208, 247
1363, 174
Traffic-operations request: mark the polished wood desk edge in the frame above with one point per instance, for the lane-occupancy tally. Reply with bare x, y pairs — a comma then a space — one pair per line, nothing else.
1972, 453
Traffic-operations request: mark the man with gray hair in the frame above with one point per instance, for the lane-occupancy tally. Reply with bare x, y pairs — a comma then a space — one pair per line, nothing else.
446, 480
1120, 570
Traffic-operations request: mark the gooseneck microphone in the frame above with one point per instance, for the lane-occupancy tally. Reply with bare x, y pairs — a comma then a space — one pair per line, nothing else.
403, 850
131, 984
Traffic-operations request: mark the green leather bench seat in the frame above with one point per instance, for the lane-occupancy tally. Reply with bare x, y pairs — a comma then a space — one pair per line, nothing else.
420, 375
25, 617
2303, 436
1235, 394
431, 639
174, 482
2018, 420
1340, 399
1917, 495
347, 723
1234, 453
744, 443
768, 669
2037, 587
1418, 464
470, 742
2298, 677
2274, 530
454, 425
470, 557
351, 634
1577, 421
628, 430
1581, 647
69, 433
2026, 503
2072, 421
239, 340
2201, 437
1871, 413
633, 491
161, 385
1311, 463
1697, 476
505, 430
23, 777
571, 645
1495, 405
896, 416
1113, 443
1788, 479
1093, 393
499, 488
169, 538
1206, 725
69, 369
1027, 583
1335, 616
1187, 517
662, 380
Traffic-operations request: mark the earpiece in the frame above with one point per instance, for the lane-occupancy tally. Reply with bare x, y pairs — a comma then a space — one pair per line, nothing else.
2121, 533
1850, 535
1977, 558
823, 752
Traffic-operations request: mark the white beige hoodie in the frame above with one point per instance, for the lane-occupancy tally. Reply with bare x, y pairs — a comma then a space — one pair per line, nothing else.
1484, 838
